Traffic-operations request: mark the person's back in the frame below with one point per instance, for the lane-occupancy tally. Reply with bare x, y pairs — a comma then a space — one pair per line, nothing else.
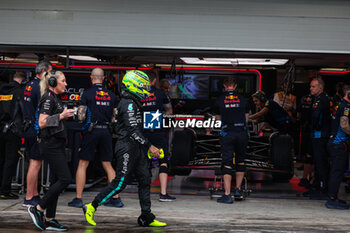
99, 106
11, 130
100, 103
230, 104
233, 110
11, 106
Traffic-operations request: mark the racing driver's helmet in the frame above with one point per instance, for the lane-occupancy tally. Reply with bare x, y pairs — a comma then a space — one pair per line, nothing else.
137, 83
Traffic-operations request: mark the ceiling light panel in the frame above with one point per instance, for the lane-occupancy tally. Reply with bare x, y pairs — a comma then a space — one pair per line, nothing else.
233, 61
80, 58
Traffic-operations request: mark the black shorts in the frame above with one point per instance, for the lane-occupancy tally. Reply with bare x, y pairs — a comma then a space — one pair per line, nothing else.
99, 140
159, 139
32, 145
233, 143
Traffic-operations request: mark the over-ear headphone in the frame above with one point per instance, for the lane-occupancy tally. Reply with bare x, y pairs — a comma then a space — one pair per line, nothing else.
52, 80
261, 96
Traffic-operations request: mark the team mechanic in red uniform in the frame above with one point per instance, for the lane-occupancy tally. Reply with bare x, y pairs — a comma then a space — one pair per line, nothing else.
130, 157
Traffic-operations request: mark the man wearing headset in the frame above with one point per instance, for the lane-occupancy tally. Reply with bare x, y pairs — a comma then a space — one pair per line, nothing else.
338, 150
233, 109
270, 112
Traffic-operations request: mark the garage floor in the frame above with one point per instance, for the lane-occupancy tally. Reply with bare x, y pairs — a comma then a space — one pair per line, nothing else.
271, 207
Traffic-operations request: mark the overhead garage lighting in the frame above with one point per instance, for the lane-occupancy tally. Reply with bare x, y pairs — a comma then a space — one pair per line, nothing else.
233, 61
334, 72
80, 58
18, 60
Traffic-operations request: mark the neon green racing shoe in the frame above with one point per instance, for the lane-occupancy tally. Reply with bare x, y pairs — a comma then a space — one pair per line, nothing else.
156, 223
89, 212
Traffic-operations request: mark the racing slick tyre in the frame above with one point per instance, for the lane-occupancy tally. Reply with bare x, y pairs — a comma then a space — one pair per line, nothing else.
183, 147
282, 155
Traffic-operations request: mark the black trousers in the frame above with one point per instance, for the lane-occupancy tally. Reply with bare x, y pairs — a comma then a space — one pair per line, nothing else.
9, 145
339, 157
53, 151
321, 162
130, 159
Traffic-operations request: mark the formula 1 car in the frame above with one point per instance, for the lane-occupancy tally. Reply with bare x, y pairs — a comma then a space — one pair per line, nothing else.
200, 149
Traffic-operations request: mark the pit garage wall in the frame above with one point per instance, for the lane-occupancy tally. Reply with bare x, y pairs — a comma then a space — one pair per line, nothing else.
251, 25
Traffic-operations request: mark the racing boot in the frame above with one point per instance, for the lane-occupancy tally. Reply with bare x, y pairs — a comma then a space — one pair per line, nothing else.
89, 212
156, 223
149, 220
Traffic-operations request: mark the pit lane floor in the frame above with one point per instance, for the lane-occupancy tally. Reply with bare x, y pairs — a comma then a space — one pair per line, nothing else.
272, 207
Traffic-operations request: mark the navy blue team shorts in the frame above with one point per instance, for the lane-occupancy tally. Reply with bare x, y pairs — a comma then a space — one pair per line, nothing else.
100, 141
234, 143
32, 145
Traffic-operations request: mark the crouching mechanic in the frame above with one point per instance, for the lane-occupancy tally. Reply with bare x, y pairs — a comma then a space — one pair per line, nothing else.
271, 112
129, 151
338, 150
233, 109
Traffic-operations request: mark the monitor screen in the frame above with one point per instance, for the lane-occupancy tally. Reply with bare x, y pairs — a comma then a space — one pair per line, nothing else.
207, 86
189, 86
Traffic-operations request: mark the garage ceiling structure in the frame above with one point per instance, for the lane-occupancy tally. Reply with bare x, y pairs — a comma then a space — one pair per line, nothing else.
310, 33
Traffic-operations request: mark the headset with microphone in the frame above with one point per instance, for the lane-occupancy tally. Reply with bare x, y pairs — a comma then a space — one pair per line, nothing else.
52, 81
